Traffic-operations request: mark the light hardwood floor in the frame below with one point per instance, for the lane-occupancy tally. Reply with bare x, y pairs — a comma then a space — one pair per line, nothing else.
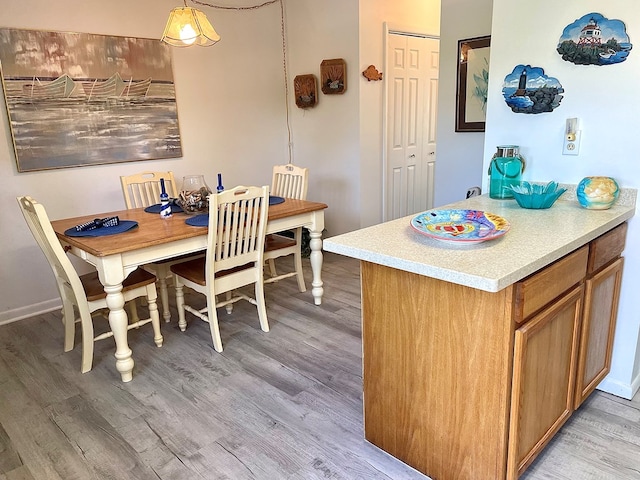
280, 405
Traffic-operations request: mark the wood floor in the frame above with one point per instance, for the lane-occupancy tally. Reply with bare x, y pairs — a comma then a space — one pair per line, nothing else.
280, 405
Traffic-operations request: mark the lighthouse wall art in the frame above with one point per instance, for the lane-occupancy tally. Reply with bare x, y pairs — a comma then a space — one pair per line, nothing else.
594, 40
528, 90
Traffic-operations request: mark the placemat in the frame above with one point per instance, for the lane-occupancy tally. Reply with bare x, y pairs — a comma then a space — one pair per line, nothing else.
175, 208
273, 200
201, 220
122, 227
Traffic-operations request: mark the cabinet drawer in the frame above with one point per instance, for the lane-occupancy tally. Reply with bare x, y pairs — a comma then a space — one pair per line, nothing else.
606, 247
537, 290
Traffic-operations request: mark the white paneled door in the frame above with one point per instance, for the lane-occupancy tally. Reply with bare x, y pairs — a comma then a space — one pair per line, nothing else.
412, 94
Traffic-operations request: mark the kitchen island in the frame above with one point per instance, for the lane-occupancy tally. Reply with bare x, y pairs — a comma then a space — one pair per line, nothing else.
475, 355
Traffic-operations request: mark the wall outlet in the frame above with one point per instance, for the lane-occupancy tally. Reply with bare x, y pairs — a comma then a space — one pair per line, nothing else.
571, 144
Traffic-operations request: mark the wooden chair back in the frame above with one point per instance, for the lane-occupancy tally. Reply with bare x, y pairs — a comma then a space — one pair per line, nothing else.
290, 181
237, 227
67, 279
143, 189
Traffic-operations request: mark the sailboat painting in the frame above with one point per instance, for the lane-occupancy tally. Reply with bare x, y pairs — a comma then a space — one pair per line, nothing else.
77, 99
595, 40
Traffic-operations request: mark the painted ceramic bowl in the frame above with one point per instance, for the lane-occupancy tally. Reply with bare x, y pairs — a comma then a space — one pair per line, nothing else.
597, 193
534, 195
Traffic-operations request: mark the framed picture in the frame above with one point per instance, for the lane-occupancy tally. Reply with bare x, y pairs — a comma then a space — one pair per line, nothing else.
78, 99
305, 88
333, 76
472, 85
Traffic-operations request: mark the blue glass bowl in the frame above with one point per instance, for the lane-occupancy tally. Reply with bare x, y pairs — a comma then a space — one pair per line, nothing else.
533, 195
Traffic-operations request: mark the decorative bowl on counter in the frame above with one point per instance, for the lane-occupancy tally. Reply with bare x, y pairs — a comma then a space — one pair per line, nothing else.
534, 195
597, 193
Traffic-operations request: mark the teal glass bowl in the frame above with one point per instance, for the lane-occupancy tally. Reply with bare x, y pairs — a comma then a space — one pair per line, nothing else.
536, 196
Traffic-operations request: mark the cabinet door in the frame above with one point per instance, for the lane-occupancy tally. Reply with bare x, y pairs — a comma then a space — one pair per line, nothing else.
601, 295
545, 357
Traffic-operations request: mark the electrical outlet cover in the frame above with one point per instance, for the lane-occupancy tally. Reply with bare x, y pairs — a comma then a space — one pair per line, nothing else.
571, 147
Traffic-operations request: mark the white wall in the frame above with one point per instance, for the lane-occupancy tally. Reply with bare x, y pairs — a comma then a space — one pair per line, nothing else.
459, 155
605, 100
325, 137
415, 15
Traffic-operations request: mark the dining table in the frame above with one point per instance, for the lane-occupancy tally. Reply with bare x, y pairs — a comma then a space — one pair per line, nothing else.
156, 238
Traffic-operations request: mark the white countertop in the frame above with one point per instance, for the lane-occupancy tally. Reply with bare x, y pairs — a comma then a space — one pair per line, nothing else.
536, 239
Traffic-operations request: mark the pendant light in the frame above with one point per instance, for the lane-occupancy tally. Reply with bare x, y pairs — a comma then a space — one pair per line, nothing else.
188, 26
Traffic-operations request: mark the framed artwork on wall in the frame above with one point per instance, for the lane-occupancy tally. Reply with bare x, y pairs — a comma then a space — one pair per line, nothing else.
472, 84
528, 89
594, 39
333, 75
304, 87
78, 99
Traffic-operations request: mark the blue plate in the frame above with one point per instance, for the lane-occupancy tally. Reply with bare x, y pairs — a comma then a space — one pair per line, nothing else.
460, 226
273, 200
122, 227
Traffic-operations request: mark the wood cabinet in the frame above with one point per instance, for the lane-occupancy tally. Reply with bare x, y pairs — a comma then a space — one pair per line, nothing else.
544, 374
437, 372
545, 356
464, 384
602, 293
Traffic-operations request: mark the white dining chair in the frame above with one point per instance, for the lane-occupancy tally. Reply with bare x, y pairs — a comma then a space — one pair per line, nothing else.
85, 294
289, 181
234, 258
143, 190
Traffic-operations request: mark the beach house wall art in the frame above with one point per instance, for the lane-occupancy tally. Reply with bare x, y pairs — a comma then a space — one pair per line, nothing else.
77, 99
594, 39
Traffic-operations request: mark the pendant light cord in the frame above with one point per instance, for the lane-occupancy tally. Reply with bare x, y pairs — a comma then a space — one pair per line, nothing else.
284, 56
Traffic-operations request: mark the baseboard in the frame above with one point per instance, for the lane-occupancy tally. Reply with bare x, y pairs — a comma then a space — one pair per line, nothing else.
17, 314
620, 389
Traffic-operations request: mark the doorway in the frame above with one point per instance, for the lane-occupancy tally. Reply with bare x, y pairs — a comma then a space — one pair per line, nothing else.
410, 122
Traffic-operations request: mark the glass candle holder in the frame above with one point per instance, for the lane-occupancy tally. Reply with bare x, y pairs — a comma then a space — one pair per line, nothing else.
505, 171
194, 195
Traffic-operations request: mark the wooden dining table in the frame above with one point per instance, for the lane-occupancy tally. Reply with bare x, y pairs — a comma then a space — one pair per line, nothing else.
156, 238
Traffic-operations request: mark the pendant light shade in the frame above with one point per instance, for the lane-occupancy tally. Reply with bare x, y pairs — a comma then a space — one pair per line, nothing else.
188, 26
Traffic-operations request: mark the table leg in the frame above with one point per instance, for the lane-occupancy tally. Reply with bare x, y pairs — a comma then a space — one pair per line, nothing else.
315, 243
118, 321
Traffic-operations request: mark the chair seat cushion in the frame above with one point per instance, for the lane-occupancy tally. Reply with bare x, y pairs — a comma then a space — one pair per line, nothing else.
276, 242
194, 271
95, 290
